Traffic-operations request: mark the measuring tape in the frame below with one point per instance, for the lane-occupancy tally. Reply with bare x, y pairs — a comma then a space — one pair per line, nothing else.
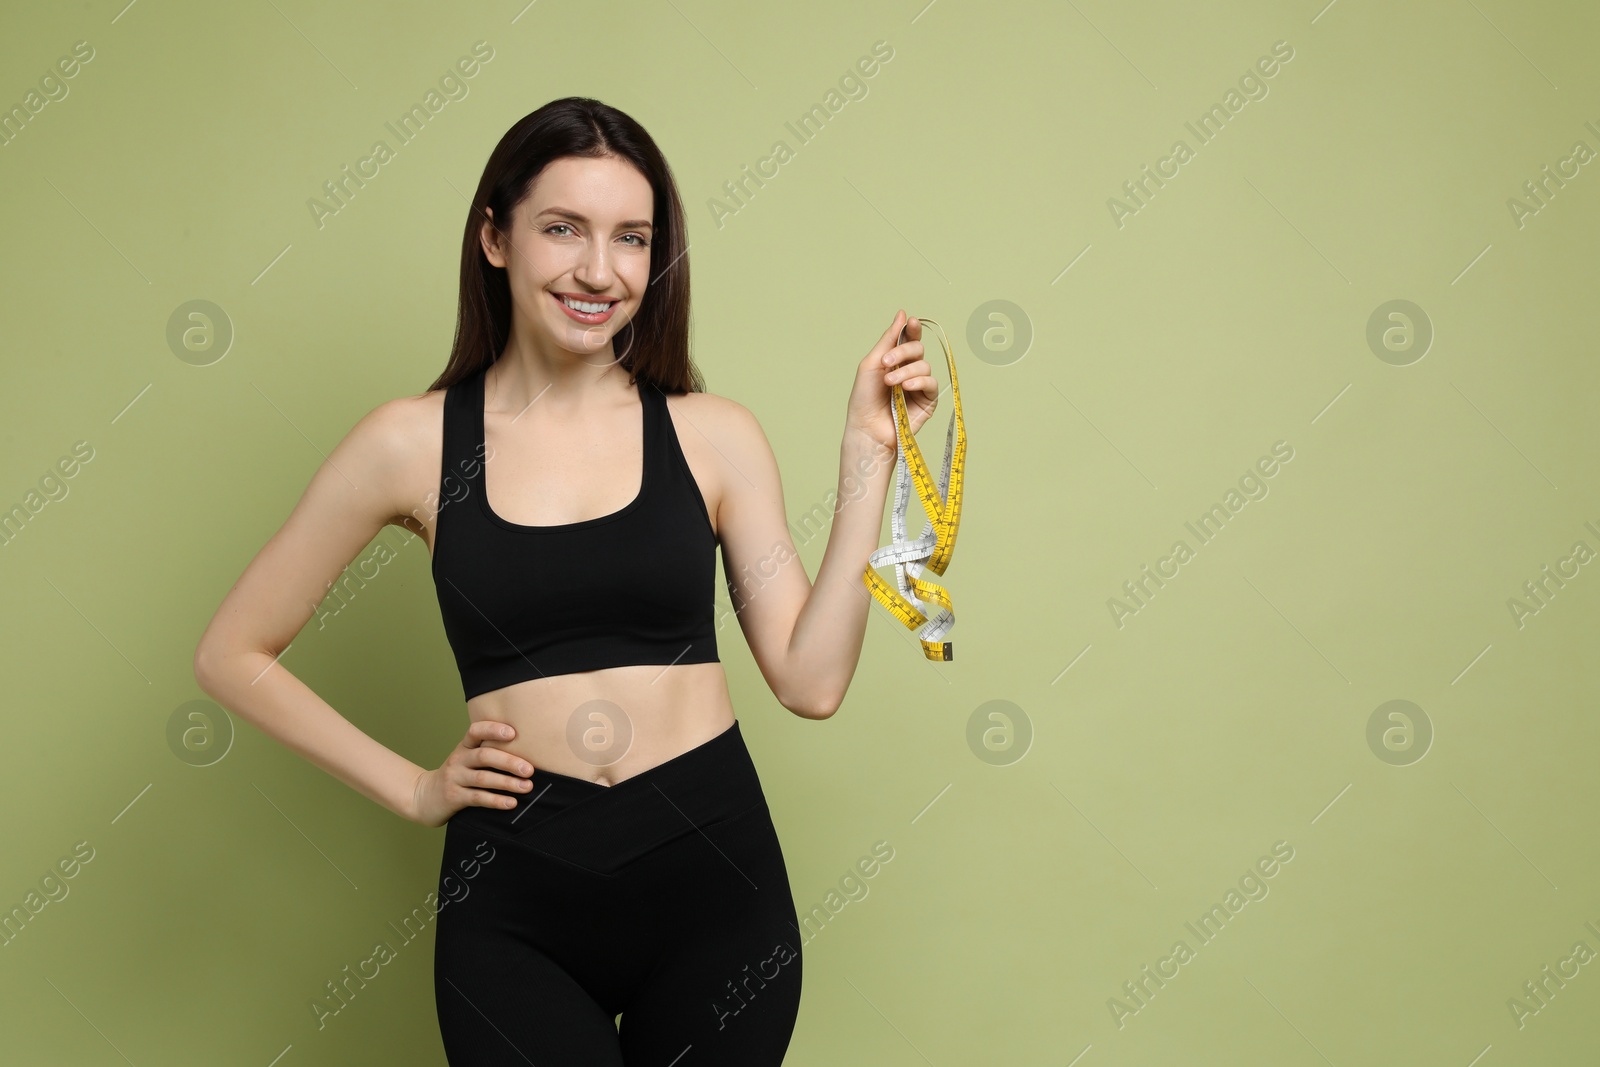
934, 546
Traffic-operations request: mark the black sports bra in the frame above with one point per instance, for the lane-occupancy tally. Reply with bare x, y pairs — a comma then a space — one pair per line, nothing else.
521, 602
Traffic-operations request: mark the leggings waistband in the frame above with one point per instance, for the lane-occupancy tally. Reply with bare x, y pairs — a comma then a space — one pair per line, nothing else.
603, 828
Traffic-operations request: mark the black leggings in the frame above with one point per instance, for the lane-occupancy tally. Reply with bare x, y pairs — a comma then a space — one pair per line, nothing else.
663, 897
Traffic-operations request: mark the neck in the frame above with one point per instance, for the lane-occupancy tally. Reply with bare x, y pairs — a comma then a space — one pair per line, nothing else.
566, 386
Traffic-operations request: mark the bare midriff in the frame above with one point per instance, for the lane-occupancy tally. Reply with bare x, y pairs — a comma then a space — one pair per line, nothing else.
608, 725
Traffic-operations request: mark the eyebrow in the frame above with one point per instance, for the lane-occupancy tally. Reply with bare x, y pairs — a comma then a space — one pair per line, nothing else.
568, 213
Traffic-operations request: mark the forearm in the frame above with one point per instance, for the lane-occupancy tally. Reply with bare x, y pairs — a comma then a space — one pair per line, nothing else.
268, 696
826, 644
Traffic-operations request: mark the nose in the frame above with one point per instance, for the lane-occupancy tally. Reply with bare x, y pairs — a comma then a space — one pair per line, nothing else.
594, 266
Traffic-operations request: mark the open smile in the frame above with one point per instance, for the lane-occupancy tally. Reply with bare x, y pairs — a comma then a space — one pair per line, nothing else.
588, 312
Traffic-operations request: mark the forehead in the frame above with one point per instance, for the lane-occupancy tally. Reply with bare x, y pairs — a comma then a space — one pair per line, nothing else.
601, 189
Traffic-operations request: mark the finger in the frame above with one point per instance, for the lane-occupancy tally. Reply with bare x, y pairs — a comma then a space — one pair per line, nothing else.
480, 799
887, 341
500, 760
918, 371
487, 730
485, 778
901, 352
895, 327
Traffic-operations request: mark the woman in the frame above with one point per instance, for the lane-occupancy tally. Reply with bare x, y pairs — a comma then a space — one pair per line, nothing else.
573, 481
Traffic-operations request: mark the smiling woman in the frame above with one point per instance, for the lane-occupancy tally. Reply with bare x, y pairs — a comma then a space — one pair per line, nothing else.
576, 592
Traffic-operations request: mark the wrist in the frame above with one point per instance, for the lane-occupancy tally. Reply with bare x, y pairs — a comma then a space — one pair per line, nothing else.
864, 452
412, 808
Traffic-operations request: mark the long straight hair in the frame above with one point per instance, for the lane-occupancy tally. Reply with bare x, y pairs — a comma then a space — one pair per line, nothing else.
655, 343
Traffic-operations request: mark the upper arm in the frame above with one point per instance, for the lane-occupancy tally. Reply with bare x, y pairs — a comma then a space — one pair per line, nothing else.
766, 579
355, 492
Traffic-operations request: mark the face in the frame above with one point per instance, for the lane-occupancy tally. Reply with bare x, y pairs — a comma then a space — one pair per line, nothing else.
583, 234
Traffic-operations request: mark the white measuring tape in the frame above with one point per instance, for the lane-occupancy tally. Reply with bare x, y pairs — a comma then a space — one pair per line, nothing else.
933, 547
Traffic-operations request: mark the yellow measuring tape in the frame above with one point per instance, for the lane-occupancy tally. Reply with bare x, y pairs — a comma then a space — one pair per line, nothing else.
936, 544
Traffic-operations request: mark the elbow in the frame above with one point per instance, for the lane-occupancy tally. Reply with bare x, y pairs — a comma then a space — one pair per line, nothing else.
814, 707
205, 667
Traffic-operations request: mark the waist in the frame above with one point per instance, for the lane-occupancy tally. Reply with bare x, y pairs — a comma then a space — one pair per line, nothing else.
605, 828
608, 725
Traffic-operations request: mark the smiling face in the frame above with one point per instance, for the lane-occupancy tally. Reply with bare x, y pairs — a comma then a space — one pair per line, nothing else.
581, 237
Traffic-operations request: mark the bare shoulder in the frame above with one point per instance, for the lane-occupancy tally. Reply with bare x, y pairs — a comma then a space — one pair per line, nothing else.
719, 437
718, 416
402, 441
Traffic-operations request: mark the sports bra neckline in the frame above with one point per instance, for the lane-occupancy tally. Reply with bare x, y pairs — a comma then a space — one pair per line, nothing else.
479, 442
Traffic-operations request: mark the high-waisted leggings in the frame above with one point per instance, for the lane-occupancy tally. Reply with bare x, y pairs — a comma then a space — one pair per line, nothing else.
663, 898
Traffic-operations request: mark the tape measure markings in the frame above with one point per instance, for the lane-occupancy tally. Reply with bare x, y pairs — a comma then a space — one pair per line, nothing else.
933, 548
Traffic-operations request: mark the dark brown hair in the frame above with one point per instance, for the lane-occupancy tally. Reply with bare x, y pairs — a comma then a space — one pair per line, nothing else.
655, 343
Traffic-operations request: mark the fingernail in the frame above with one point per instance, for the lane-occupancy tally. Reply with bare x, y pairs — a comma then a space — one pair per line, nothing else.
505, 731
524, 769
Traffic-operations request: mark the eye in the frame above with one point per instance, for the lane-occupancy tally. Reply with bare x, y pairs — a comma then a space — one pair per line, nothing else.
642, 242
553, 226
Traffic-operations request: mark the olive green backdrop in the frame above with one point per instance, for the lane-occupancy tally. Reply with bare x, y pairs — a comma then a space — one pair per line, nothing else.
1325, 322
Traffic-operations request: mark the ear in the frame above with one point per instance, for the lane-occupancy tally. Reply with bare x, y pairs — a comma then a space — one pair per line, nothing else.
491, 241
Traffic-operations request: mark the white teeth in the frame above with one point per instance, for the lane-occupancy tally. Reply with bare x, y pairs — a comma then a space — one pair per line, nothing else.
584, 306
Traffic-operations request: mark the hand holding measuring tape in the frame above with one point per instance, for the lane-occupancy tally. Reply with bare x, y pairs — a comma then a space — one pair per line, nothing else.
893, 420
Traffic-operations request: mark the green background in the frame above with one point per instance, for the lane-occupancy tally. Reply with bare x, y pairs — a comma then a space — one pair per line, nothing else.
1231, 311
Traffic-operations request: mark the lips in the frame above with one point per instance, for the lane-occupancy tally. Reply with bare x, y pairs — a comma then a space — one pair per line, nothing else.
587, 318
